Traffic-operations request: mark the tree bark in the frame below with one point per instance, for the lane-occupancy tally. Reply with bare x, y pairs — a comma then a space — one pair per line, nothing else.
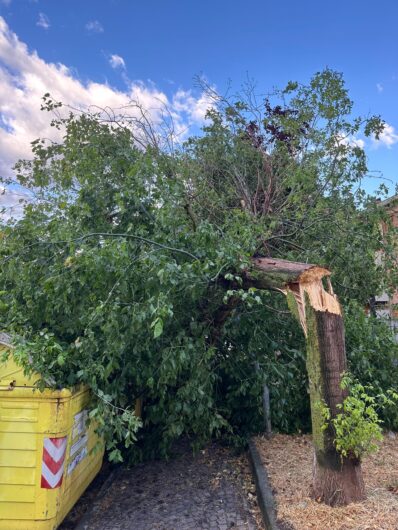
336, 480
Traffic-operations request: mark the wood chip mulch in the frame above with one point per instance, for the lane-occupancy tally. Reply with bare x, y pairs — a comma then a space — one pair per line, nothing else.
288, 460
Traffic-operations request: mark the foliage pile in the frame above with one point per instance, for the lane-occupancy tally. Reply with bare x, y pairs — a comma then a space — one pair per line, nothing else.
122, 272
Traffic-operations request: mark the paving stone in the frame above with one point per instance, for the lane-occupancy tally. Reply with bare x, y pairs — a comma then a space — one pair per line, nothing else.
186, 493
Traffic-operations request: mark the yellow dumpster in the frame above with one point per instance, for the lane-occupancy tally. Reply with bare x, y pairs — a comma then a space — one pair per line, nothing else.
46, 461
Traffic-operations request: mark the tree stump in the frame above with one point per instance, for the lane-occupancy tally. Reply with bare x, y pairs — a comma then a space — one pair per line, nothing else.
336, 480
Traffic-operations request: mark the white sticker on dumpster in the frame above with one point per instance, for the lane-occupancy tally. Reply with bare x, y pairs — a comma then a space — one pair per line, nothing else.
79, 423
78, 450
77, 459
81, 442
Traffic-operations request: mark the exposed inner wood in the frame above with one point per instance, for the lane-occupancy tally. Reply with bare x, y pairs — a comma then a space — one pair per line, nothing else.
317, 297
300, 279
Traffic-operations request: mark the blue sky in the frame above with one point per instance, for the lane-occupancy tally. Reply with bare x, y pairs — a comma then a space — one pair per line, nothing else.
156, 48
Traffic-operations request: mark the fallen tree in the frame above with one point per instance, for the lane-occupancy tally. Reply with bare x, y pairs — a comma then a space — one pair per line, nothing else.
115, 275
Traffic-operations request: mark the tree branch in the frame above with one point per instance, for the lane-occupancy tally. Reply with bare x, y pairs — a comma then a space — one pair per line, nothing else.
108, 234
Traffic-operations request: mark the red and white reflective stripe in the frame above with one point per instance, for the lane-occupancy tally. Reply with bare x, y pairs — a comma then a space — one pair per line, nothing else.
52, 466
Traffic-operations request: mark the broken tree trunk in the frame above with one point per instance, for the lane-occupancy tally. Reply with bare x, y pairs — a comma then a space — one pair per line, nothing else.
336, 480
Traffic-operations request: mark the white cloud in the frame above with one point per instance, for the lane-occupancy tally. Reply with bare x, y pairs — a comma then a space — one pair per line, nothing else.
94, 26
116, 61
379, 87
43, 21
12, 202
5, 2
387, 138
358, 142
350, 141
194, 108
25, 78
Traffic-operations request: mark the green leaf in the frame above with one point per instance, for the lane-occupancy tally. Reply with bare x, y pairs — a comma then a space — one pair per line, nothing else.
61, 359
158, 328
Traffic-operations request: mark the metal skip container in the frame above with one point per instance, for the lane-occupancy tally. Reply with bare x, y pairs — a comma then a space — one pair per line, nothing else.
46, 449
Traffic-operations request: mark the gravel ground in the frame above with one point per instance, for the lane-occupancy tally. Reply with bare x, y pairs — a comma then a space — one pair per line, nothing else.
212, 490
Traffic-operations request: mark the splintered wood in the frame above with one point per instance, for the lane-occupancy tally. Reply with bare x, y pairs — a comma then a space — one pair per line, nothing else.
303, 280
288, 461
310, 288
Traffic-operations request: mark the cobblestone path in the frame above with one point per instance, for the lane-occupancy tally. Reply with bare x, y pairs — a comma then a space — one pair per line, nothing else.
202, 492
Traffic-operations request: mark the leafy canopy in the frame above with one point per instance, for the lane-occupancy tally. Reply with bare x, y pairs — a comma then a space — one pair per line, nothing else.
122, 272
